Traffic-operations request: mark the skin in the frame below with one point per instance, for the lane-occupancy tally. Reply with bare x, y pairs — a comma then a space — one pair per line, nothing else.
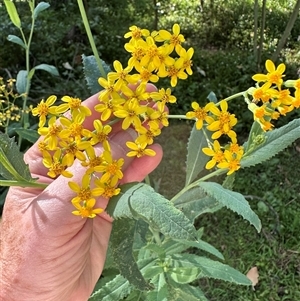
47, 253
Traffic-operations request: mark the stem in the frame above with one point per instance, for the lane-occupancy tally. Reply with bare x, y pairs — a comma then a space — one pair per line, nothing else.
217, 172
178, 117
90, 37
234, 96
22, 184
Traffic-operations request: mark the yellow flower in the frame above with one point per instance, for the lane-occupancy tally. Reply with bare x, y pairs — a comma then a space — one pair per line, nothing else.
262, 115
224, 121
111, 89
146, 74
147, 135
137, 53
201, 114
274, 75
51, 133
106, 108
92, 160
54, 165
71, 151
110, 167
108, 189
75, 105
100, 135
216, 153
84, 192
187, 59
45, 108
139, 150
158, 116
87, 209
136, 33
174, 39
163, 95
130, 113
232, 161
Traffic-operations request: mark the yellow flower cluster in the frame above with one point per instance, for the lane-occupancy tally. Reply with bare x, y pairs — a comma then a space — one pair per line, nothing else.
9, 111
270, 100
123, 98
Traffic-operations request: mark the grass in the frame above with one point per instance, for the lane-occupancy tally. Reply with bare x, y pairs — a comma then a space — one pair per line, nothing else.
273, 191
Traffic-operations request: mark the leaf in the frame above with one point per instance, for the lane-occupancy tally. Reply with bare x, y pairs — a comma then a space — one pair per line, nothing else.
13, 13
212, 269
48, 68
195, 202
114, 290
232, 200
28, 134
274, 142
183, 274
12, 165
144, 202
16, 40
196, 159
39, 8
193, 291
121, 248
179, 294
92, 73
21, 82
253, 276
212, 97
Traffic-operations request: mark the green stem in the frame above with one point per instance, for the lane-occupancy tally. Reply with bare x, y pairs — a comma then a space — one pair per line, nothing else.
22, 184
178, 117
234, 96
90, 37
217, 172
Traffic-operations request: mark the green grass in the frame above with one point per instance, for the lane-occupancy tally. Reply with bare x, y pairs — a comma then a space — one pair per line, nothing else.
273, 191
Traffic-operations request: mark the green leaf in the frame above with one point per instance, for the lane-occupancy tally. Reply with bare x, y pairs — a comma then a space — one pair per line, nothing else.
28, 134
161, 291
21, 82
39, 8
158, 212
92, 73
193, 291
13, 13
153, 271
196, 159
183, 274
12, 165
232, 200
255, 132
49, 68
114, 290
274, 142
212, 269
121, 247
195, 202
178, 294
16, 40
212, 97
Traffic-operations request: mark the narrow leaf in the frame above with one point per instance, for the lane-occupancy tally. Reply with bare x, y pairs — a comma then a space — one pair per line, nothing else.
196, 159
28, 134
39, 8
12, 165
49, 68
232, 200
121, 247
13, 13
16, 40
117, 289
145, 203
274, 142
92, 73
21, 82
195, 202
212, 269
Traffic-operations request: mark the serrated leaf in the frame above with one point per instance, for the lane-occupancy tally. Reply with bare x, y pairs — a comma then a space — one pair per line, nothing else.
21, 82
48, 68
16, 40
196, 159
39, 8
121, 248
203, 245
183, 275
114, 290
275, 141
195, 202
12, 165
13, 13
233, 201
213, 269
193, 291
28, 134
176, 293
92, 72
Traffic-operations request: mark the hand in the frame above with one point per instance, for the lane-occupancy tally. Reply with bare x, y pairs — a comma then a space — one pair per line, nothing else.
47, 253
